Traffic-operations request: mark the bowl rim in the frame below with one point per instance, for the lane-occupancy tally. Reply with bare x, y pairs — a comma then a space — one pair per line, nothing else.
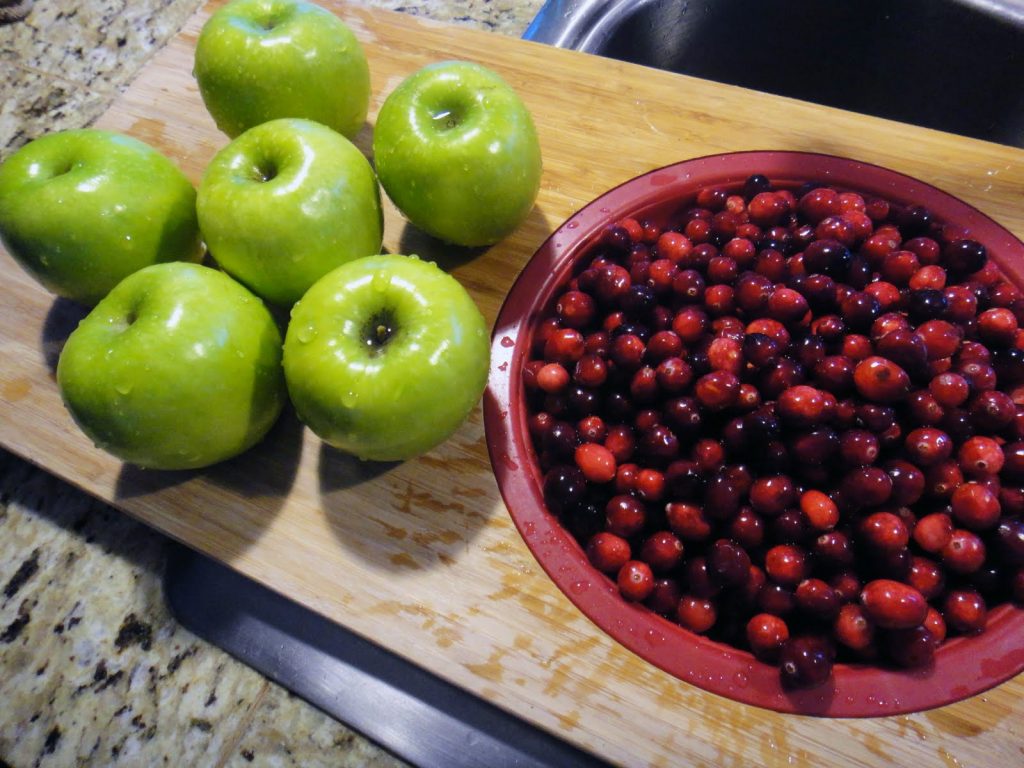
964, 666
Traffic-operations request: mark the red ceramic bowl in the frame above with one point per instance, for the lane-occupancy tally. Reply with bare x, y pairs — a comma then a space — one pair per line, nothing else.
963, 666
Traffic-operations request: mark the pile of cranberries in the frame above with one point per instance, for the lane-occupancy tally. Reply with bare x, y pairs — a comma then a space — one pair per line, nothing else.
785, 419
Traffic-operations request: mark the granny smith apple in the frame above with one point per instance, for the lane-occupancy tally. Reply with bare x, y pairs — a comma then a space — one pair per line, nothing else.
82, 209
385, 357
178, 367
456, 150
257, 60
285, 203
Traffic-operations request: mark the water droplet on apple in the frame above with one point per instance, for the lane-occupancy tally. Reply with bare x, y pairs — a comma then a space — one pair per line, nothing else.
348, 398
306, 334
123, 387
380, 282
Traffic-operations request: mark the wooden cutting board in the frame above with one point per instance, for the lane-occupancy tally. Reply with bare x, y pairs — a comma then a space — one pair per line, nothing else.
422, 558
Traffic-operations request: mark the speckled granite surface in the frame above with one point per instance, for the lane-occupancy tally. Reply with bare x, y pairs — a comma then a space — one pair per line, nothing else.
94, 670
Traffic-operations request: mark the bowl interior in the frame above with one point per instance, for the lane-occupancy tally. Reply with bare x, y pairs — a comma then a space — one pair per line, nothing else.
963, 666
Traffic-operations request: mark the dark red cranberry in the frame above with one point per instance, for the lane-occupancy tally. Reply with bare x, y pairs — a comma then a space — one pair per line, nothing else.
964, 257
805, 662
729, 562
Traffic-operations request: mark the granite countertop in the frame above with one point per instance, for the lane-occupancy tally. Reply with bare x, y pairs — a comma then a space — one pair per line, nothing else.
93, 668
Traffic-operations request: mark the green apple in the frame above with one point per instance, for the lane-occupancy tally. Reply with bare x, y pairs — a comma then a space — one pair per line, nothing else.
285, 203
385, 357
179, 367
82, 209
457, 152
257, 60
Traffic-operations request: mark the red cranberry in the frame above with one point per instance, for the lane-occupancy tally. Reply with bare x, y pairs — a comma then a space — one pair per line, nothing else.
964, 553
635, 581
965, 611
821, 512
766, 635
717, 390
933, 532
884, 531
595, 462
688, 521
893, 605
881, 380
816, 598
975, 506
608, 552
853, 628
801, 406
696, 614
786, 564
928, 446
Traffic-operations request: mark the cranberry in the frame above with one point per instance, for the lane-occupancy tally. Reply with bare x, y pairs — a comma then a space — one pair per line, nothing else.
926, 576
772, 495
884, 531
881, 380
766, 635
964, 256
816, 598
853, 628
893, 605
928, 446
908, 482
805, 661
729, 562
747, 528
696, 614
1010, 541
866, 487
717, 390
975, 506
635, 580
595, 462
801, 405
821, 512
608, 552
786, 564
964, 553
688, 521
965, 611
914, 647
576, 309
664, 597
933, 532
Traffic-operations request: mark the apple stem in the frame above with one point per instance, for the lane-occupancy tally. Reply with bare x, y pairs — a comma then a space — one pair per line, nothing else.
378, 331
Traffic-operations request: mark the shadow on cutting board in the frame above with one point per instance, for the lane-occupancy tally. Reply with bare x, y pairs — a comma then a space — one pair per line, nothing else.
406, 517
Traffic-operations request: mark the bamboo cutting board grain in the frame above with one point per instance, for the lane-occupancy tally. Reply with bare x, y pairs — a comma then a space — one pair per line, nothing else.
422, 557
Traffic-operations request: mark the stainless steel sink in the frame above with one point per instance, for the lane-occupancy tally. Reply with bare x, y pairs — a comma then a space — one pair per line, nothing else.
955, 65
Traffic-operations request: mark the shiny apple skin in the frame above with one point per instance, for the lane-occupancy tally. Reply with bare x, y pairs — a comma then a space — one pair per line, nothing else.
398, 400
258, 60
80, 210
178, 367
457, 151
319, 208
